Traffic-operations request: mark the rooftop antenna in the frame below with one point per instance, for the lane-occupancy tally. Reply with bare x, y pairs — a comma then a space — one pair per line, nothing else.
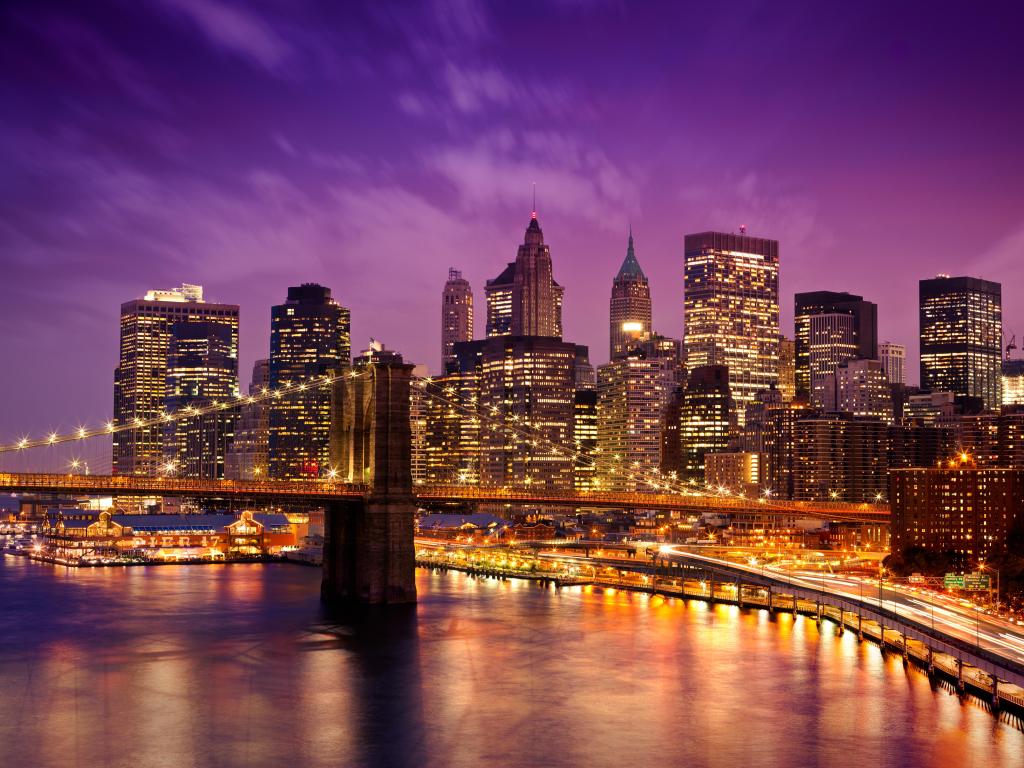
743, 229
533, 213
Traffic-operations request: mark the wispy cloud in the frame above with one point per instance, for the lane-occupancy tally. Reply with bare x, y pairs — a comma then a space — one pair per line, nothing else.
237, 31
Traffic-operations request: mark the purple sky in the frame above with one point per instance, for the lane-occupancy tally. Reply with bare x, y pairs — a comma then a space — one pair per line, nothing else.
249, 147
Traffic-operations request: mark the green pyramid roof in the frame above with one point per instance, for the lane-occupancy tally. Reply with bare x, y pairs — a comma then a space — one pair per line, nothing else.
630, 266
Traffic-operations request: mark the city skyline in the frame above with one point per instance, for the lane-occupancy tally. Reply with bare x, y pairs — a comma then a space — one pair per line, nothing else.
301, 194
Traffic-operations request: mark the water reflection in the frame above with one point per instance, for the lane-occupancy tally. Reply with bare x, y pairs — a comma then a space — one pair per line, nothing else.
239, 665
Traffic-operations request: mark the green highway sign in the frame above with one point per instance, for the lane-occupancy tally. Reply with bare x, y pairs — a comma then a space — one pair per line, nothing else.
953, 581
977, 582
972, 582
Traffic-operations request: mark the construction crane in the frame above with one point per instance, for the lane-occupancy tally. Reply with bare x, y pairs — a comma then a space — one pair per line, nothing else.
1011, 345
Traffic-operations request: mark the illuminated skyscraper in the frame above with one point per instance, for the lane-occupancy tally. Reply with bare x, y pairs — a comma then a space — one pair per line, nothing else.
706, 418
865, 328
247, 458
863, 390
202, 369
832, 340
1013, 382
894, 361
961, 337
787, 368
529, 383
140, 380
309, 338
732, 310
585, 439
633, 393
525, 300
630, 307
456, 316
769, 431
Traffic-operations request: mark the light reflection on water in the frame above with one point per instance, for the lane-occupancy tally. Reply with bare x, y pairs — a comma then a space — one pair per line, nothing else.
239, 665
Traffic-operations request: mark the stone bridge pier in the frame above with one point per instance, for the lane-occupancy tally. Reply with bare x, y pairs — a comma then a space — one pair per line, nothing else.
369, 556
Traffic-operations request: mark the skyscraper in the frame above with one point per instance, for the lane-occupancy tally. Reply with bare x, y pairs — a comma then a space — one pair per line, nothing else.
525, 300
706, 418
632, 395
140, 379
894, 361
202, 369
863, 390
831, 340
787, 368
309, 338
247, 458
865, 328
630, 306
1013, 382
529, 383
456, 316
961, 337
732, 310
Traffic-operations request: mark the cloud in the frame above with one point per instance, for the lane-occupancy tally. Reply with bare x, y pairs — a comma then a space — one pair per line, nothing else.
236, 31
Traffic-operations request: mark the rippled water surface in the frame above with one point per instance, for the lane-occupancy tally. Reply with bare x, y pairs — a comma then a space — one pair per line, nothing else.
238, 665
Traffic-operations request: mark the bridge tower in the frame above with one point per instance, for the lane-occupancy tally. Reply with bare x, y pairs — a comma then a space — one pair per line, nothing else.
368, 545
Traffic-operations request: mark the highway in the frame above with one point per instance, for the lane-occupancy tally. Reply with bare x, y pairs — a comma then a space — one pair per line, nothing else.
944, 613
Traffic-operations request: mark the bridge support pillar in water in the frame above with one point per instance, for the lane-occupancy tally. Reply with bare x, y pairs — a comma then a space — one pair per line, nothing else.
369, 556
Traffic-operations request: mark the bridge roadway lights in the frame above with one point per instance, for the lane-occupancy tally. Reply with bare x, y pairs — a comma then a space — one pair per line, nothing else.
369, 556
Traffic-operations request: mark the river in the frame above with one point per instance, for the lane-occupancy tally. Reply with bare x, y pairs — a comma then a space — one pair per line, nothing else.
239, 665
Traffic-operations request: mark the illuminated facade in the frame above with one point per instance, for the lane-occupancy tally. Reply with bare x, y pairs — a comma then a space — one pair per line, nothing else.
769, 432
202, 369
456, 316
706, 419
993, 439
961, 337
960, 508
1013, 382
309, 338
894, 361
529, 383
525, 300
140, 379
865, 328
632, 395
630, 306
831, 340
247, 457
585, 439
787, 368
863, 390
731, 308
839, 457
736, 470
451, 440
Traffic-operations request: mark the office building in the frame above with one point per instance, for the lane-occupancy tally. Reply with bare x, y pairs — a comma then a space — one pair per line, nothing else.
202, 371
525, 300
769, 432
839, 457
863, 390
787, 368
309, 339
894, 362
140, 379
920, 446
418, 425
1013, 382
452, 425
585, 439
706, 419
630, 306
961, 508
247, 457
831, 340
865, 328
456, 316
961, 337
633, 392
529, 383
731, 308
737, 471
